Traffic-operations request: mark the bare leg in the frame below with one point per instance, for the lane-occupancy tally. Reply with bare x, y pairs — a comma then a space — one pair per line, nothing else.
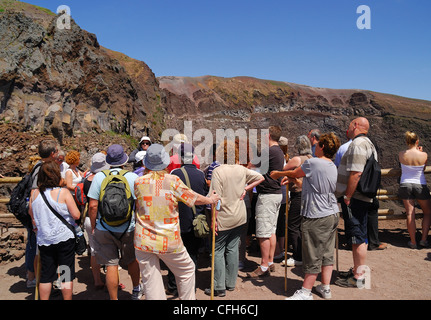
45, 290
426, 222
134, 273
326, 274
112, 281
264, 250
67, 290
359, 257
411, 222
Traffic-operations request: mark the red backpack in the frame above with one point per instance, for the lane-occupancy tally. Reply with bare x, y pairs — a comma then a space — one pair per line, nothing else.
80, 197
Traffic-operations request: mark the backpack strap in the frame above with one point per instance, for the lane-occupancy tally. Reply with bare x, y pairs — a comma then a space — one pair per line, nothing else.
186, 176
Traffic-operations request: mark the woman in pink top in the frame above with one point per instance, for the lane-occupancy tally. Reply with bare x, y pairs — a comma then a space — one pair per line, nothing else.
413, 186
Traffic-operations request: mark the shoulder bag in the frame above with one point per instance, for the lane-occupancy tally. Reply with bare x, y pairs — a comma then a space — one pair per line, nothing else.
80, 242
200, 224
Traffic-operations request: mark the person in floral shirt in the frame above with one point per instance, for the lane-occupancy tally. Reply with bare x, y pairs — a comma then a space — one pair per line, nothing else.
157, 231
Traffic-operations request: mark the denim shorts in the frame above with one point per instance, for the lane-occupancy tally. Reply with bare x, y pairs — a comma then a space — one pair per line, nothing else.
355, 221
409, 191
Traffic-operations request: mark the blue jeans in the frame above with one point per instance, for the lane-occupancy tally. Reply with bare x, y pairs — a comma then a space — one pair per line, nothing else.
355, 220
226, 258
30, 250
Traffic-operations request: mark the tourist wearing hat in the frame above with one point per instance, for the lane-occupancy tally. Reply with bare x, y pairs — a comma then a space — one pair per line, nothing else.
98, 164
158, 194
144, 144
112, 243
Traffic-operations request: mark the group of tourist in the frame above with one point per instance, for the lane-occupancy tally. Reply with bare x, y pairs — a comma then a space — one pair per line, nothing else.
164, 193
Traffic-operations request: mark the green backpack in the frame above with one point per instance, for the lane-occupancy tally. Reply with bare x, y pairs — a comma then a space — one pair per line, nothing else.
116, 199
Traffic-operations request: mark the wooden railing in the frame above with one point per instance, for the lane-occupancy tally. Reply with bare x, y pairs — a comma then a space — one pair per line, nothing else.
383, 195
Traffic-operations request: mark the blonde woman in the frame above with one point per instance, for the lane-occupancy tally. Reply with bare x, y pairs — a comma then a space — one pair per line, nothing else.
413, 186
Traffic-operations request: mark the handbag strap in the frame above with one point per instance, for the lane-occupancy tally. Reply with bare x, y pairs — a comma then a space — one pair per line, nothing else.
186, 176
59, 216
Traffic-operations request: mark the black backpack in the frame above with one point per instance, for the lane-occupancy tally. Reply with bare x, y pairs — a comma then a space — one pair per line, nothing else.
116, 201
370, 178
19, 198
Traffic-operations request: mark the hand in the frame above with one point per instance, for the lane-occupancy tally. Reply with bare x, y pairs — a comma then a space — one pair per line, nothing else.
347, 201
243, 195
215, 212
214, 197
275, 174
284, 181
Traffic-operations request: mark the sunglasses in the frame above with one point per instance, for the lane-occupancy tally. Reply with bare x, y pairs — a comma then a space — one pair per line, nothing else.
146, 143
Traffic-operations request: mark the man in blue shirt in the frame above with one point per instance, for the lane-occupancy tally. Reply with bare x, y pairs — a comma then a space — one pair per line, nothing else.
110, 241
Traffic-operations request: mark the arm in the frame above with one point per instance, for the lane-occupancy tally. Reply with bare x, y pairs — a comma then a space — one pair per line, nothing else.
30, 208
292, 174
70, 203
291, 165
69, 180
352, 183
212, 199
92, 212
250, 187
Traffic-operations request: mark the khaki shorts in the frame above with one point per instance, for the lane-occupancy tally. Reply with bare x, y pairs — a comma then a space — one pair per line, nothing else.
110, 251
318, 242
267, 208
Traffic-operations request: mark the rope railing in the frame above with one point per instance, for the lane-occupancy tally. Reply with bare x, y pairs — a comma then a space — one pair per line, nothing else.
382, 195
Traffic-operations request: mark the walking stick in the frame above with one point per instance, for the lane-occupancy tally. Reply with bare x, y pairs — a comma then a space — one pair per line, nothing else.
36, 294
213, 224
285, 238
336, 249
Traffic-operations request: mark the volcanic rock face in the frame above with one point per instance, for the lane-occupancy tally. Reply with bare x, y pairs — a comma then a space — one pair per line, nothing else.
249, 103
60, 80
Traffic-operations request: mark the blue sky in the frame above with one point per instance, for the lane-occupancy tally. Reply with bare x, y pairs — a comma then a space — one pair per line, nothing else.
312, 42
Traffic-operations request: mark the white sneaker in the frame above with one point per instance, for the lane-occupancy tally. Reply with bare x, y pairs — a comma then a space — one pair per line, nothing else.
300, 295
325, 293
291, 262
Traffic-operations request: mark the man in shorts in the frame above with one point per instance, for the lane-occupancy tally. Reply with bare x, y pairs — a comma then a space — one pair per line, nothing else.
355, 205
112, 243
268, 206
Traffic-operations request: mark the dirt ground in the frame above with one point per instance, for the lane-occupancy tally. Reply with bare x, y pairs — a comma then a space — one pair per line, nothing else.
397, 273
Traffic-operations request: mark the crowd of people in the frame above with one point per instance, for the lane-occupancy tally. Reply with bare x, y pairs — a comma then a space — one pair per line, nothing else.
138, 217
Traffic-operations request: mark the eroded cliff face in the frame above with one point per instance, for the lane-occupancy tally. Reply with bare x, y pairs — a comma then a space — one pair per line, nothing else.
61, 81
249, 103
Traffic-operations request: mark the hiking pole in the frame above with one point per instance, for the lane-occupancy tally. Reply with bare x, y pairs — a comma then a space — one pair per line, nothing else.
38, 267
213, 225
285, 238
336, 248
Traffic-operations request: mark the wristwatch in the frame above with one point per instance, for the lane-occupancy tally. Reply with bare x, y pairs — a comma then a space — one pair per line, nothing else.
347, 198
